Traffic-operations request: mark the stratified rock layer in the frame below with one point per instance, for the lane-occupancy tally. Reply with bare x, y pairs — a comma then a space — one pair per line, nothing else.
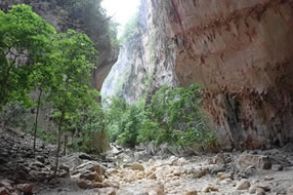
241, 52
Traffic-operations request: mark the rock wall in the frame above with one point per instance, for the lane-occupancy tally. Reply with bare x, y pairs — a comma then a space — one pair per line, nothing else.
146, 59
240, 51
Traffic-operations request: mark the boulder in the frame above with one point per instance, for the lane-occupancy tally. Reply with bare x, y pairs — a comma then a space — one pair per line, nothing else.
243, 185
258, 161
90, 175
147, 187
4, 191
25, 188
290, 190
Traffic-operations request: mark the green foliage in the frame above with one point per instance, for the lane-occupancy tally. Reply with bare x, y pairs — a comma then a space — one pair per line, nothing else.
173, 116
178, 110
34, 57
89, 123
123, 121
23, 35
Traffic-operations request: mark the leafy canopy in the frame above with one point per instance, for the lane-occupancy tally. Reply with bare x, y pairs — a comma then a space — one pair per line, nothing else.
23, 39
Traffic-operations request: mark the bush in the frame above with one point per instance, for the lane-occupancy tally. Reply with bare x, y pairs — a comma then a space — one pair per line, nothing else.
124, 121
173, 116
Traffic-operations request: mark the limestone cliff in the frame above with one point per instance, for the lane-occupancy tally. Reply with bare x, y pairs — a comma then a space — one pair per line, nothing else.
146, 59
241, 51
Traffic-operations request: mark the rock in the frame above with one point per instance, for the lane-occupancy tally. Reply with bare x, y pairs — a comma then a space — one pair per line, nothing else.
234, 193
260, 191
137, 167
223, 176
152, 176
72, 161
243, 185
218, 159
107, 191
210, 188
200, 172
4, 191
90, 175
172, 160
252, 189
258, 161
248, 172
137, 188
290, 190
268, 178
25, 188
37, 164
87, 184
41, 159
91, 166
226, 181
85, 156
264, 186
65, 167
277, 167
193, 192
6, 184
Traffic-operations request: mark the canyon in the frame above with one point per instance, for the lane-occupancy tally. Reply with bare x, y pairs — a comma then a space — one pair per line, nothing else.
238, 51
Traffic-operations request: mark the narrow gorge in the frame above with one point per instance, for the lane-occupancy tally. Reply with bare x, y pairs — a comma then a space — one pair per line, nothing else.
190, 97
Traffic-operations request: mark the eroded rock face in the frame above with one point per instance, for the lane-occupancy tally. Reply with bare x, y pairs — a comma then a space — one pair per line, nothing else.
241, 52
146, 60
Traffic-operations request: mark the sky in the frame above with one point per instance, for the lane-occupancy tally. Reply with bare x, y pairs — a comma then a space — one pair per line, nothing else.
121, 10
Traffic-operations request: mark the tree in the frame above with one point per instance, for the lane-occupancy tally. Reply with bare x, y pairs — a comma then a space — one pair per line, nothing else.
23, 35
72, 56
58, 66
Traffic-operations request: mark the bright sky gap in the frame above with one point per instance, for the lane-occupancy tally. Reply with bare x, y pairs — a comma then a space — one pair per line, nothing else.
120, 10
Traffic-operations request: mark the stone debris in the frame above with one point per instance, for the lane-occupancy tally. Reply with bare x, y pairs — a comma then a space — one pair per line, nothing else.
243, 185
258, 161
127, 173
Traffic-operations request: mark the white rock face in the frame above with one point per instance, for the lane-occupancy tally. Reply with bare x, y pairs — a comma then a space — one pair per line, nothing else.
146, 60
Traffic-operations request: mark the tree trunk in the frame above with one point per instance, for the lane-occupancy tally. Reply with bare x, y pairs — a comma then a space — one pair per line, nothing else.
36, 119
58, 144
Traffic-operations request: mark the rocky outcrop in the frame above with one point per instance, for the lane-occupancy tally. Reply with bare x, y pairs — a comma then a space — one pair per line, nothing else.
240, 51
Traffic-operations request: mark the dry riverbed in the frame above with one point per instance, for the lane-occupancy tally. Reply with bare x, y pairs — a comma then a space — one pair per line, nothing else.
125, 172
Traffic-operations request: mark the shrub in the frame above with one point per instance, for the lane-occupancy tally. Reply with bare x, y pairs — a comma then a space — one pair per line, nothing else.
173, 116
124, 120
